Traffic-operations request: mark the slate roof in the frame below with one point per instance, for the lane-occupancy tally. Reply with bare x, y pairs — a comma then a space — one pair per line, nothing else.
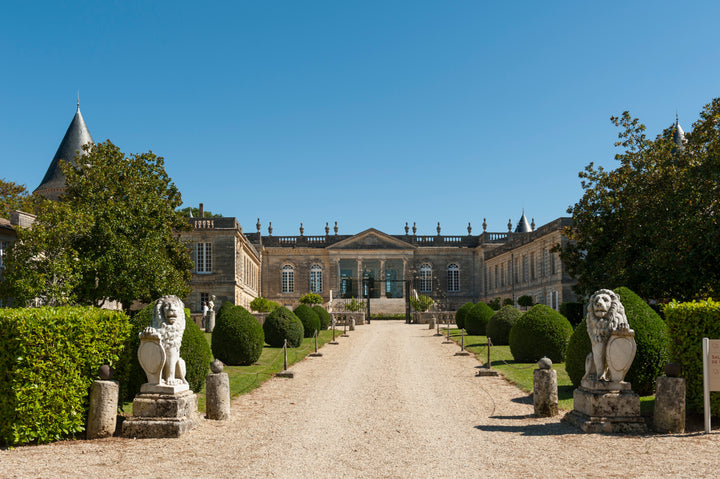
77, 135
523, 225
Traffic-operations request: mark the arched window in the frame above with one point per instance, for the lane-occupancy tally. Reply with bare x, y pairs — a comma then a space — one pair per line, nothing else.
425, 283
315, 279
288, 279
453, 278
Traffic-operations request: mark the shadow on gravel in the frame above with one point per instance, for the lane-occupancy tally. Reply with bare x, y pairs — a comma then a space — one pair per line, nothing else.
523, 399
554, 429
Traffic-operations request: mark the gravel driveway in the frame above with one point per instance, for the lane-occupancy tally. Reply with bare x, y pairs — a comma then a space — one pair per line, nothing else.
390, 401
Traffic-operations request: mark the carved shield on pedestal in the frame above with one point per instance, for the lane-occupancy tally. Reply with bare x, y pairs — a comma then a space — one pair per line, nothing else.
620, 353
152, 359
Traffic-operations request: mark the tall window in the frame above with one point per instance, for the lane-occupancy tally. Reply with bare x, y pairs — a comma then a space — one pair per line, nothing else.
425, 285
204, 258
315, 279
288, 279
453, 278
497, 276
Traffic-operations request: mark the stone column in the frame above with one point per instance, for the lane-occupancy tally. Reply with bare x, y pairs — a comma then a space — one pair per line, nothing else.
545, 392
102, 418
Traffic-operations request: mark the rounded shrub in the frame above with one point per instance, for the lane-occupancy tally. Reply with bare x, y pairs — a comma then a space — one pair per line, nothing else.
238, 338
325, 318
461, 314
540, 332
194, 350
280, 325
477, 319
309, 319
651, 337
499, 325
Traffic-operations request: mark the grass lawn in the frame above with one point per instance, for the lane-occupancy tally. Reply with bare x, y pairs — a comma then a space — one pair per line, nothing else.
521, 374
244, 379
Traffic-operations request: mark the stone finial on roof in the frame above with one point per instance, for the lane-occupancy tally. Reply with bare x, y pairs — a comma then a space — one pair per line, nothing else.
302, 229
270, 228
407, 229
335, 228
484, 225
509, 225
438, 228
258, 225
327, 228
469, 228
414, 228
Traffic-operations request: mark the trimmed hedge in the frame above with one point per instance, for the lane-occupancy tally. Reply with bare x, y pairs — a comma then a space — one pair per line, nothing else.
49, 358
688, 324
309, 319
325, 318
238, 338
651, 337
193, 351
282, 324
541, 331
461, 314
499, 325
477, 318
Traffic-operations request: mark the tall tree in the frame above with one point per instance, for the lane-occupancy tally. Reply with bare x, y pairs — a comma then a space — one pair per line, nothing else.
15, 197
115, 230
652, 223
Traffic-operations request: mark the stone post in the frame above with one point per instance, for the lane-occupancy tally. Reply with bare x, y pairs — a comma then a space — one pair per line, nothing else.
351, 323
545, 391
102, 418
431, 322
217, 393
669, 415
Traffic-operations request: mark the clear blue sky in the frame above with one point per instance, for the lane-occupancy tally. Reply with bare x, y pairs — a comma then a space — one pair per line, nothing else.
367, 113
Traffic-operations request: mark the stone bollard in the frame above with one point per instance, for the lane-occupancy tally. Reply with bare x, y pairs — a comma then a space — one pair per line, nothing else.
431, 323
351, 326
669, 415
217, 393
545, 390
102, 417
210, 321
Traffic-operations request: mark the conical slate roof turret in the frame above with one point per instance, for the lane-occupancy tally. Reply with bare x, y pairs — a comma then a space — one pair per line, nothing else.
77, 135
523, 225
678, 134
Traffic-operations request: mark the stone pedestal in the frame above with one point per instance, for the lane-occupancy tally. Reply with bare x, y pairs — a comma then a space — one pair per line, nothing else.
351, 324
162, 415
545, 392
606, 408
102, 418
210, 321
669, 416
217, 396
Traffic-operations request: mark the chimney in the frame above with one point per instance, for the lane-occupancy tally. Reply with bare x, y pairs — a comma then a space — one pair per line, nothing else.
202, 211
22, 219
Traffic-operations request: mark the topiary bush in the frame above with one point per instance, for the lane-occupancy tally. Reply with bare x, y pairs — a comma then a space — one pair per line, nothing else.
688, 323
461, 314
238, 338
263, 305
309, 319
282, 324
325, 318
477, 318
651, 337
574, 311
499, 325
541, 331
193, 351
49, 358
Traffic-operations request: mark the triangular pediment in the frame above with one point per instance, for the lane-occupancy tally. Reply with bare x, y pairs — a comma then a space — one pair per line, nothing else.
371, 239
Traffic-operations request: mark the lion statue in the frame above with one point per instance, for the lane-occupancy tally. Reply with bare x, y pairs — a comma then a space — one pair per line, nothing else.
605, 314
168, 326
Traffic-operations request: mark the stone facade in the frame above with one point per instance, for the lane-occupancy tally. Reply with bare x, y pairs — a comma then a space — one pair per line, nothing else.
451, 269
227, 265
